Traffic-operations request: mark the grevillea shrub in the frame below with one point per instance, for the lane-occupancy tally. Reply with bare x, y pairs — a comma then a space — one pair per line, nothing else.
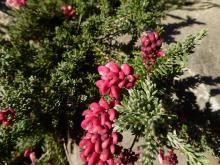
49, 74
100, 144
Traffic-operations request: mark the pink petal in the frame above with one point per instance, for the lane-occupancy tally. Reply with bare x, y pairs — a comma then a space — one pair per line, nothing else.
104, 118
98, 146
103, 70
159, 43
112, 148
127, 69
87, 113
101, 162
110, 161
156, 35
114, 81
114, 93
151, 36
93, 159
103, 103
108, 124
129, 85
95, 107
112, 114
106, 143
160, 54
105, 155
100, 83
83, 157
131, 78
143, 39
113, 67
121, 75
114, 138
122, 84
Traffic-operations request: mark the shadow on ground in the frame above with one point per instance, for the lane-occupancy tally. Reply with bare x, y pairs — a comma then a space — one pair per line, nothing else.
188, 98
190, 6
199, 121
173, 29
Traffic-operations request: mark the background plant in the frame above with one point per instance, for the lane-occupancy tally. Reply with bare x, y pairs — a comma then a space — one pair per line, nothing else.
49, 65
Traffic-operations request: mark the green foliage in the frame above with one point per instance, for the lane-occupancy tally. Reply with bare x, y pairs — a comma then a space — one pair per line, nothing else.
48, 74
47, 68
149, 110
194, 156
174, 62
143, 115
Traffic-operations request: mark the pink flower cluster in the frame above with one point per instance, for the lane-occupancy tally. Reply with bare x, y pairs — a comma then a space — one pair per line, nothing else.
5, 114
114, 78
100, 143
68, 11
16, 4
150, 47
29, 153
170, 159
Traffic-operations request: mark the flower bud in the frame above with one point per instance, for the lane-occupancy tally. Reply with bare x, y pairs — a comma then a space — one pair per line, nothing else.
127, 69
151, 36
113, 67
103, 103
108, 124
121, 75
106, 143
104, 118
83, 157
103, 70
104, 137
131, 78
68, 11
110, 161
159, 43
129, 85
114, 138
94, 138
156, 35
89, 148
114, 92
98, 144
112, 114
153, 46
83, 143
6, 122
11, 111
112, 148
160, 54
101, 162
122, 84
93, 159
27, 152
2, 116
104, 155
95, 108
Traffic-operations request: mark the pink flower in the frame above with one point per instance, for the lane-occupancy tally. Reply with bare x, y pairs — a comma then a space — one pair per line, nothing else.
114, 78
29, 153
169, 159
68, 11
16, 4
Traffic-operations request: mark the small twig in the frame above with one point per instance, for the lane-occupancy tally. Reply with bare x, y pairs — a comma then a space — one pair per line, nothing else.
67, 154
132, 145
